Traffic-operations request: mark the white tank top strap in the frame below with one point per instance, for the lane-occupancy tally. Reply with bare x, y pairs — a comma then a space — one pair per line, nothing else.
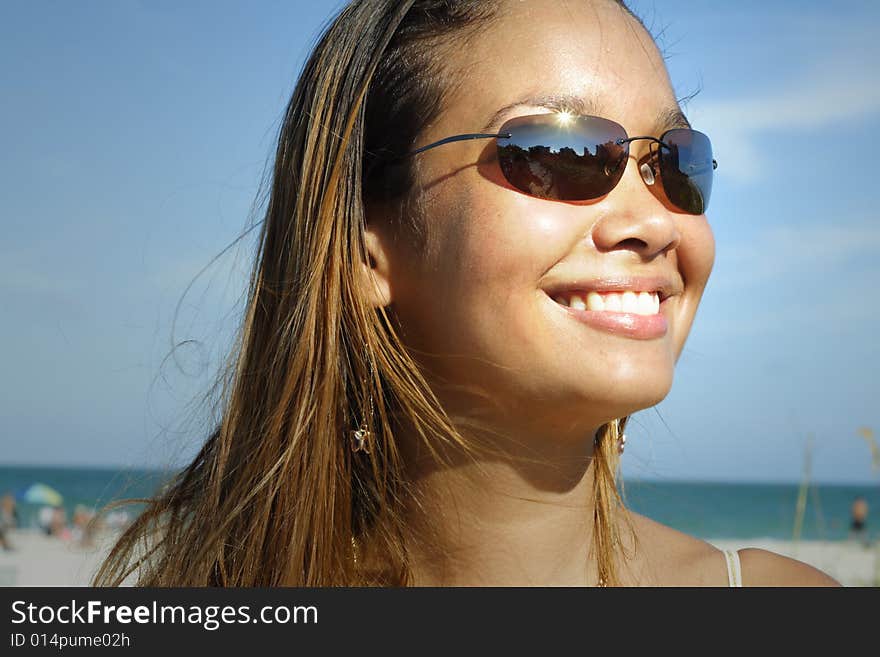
734, 570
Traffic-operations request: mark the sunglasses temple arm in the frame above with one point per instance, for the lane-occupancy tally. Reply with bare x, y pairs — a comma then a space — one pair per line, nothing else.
477, 135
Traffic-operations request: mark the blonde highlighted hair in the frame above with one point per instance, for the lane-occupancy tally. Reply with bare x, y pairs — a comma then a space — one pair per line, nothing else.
275, 496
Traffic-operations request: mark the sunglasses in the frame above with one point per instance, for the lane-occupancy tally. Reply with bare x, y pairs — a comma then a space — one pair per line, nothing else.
581, 158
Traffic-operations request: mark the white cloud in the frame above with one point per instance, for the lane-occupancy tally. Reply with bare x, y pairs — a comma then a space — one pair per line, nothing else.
829, 270
836, 82
737, 125
776, 252
28, 271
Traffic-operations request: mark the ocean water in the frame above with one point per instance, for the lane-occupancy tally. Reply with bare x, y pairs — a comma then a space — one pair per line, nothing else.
747, 511
706, 510
89, 487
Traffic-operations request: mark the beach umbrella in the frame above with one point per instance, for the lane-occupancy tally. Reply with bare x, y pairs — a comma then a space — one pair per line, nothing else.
40, 494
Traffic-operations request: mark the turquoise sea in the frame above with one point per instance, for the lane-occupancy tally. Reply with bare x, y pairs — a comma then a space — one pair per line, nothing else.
705, 510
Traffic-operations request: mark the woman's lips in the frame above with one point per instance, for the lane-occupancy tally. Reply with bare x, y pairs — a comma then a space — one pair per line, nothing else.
639, 327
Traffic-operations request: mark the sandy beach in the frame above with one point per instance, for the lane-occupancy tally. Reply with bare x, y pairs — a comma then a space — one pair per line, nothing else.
40, 560
849, 562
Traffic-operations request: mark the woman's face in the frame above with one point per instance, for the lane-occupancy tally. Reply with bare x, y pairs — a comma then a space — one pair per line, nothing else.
478, 299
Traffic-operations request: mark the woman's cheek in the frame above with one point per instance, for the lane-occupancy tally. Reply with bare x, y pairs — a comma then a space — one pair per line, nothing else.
696, 253
519, 237
695, 258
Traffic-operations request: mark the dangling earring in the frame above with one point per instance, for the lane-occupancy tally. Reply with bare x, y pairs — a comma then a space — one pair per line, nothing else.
362, 437
360, 440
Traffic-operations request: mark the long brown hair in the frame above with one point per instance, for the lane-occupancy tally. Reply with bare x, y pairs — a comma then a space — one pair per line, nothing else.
275, 497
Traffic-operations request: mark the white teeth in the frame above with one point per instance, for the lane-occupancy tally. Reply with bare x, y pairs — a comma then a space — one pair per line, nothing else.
595, 301
638, 303
613, 302
629, 302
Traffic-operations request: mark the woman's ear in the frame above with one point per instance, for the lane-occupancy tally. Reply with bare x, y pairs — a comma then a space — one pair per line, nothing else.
375, 273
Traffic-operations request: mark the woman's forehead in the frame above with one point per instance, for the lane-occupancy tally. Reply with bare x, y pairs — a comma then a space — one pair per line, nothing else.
581, 57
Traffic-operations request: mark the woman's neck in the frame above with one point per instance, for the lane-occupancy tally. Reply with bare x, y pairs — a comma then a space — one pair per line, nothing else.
504, 520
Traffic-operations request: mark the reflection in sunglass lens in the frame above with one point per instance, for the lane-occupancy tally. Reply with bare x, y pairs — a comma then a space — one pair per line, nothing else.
686, 169
560, 157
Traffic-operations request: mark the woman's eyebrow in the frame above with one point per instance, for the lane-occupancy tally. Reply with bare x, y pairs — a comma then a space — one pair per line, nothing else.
670, 119
555, 102
667, 119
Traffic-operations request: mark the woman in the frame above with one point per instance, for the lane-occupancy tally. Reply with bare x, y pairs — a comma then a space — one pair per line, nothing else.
478, 259
8, 520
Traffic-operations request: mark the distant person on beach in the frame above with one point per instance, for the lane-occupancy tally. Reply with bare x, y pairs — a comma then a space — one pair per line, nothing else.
484, 248
83, 528
858, 528
45, 518
117, 520
8, 520
58, 523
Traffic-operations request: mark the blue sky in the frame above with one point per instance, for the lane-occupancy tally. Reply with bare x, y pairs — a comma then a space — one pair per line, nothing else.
134, 135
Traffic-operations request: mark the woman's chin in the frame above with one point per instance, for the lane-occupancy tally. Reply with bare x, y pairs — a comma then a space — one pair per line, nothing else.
581, 413
625, 399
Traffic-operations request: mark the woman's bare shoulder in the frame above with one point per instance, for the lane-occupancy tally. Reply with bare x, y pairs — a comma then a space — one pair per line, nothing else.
678, 559
668, 557
765, 568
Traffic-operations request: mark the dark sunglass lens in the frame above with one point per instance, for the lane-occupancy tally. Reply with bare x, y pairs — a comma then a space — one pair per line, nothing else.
562, 157
686, 168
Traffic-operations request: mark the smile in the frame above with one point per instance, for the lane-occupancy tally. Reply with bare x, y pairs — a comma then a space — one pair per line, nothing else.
636, 303
637, 315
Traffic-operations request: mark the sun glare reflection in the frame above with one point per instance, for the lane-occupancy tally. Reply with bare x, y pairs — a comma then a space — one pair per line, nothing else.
565, 117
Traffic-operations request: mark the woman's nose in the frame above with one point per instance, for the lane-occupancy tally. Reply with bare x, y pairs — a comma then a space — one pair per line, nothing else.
636, 219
